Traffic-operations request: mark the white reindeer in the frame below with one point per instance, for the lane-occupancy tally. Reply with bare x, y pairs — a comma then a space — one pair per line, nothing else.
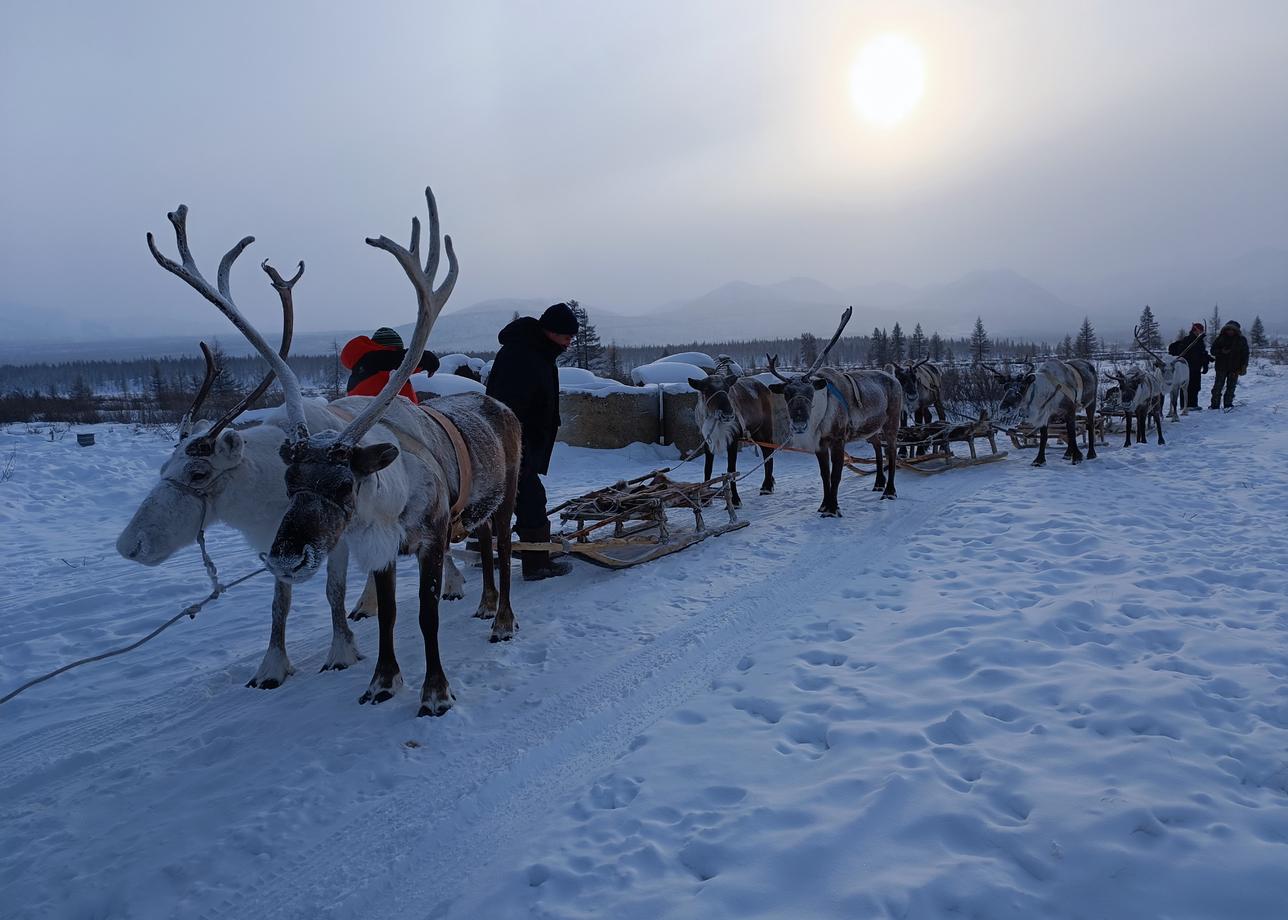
1054, 388
235, 476
407, 483
731, 408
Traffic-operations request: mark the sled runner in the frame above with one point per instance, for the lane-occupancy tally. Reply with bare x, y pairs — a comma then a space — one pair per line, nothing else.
1022, 436
635, 521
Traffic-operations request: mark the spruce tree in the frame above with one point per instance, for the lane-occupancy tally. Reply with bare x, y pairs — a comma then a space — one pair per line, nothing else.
1148, 329
917, 344
936, 347
1257, 335
1214, 323
808, 349
980, 346
898, 344
1086, 344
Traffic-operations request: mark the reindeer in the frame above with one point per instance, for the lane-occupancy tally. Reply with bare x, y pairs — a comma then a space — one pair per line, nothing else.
922, 384
368, 489
1142, 394
729, 409
235, 476
1173, 377
828, 408
1052, 388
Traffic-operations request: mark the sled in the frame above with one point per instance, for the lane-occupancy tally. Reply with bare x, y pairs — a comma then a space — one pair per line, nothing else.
633, 521
1024, 436
928, 448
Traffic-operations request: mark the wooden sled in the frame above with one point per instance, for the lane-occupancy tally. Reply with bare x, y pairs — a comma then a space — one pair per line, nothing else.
640, 514
1022, 436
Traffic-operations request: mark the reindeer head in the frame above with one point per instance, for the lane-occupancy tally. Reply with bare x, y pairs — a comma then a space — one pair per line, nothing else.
907, 377
1128, 385
171, 515
714, 391
800, 392
1014, 386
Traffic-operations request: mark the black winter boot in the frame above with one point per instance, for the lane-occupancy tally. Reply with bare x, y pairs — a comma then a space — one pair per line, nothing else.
537, 564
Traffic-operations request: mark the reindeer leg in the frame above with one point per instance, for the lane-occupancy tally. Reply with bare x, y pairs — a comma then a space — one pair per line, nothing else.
1040, 459
344, 651
709, 459
767, 486
1140, 425
879, 483
435, 695
1091, 432
825, 474
487, 604
1127, 417
733, 468
387, 679
1071, 432
275, 667
504, 625
838, 467
367, 606
1158, 422
891, 438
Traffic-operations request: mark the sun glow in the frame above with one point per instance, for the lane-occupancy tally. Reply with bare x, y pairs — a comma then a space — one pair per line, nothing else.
887, 80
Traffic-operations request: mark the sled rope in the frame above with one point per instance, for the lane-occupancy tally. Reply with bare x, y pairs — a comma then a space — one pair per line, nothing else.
190, 612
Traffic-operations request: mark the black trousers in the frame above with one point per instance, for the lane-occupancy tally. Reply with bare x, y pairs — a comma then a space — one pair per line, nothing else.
1226, 380
1196, 385
530, 503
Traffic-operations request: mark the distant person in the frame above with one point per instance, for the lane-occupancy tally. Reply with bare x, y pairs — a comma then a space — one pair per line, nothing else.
1230, 354
525, 377
370, 360
1194, 349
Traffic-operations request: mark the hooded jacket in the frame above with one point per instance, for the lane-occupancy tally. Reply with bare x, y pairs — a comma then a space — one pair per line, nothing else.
370, 364
525, 377
1230, 350
1195, 352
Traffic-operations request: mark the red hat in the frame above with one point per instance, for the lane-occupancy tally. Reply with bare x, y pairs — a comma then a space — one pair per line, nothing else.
1197, 327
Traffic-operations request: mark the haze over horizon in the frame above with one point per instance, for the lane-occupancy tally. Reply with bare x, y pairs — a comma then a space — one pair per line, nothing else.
637, 158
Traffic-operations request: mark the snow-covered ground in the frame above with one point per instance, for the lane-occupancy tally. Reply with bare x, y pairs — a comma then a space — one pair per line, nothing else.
1014, 692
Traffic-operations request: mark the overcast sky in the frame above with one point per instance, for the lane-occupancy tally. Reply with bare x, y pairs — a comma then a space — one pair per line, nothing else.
624, 154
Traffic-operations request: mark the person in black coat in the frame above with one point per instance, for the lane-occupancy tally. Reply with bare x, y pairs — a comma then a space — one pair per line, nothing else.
525, 376
1230, 355
1194, 350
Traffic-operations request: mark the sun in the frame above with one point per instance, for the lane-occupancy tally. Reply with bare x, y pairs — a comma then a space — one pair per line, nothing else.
887, 80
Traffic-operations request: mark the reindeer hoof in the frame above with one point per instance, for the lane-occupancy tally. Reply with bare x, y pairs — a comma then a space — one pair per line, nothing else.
454, 596
436, 702
484, 613
767, 491
382, 688
1039, 463
503, 629
832, 513
267, 683
273, 671
359, 614
888, 495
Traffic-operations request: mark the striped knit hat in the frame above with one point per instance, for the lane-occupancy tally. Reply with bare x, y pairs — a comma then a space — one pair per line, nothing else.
386, 336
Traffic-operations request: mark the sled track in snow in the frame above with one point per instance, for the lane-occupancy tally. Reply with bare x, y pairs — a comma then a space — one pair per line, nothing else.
530, 757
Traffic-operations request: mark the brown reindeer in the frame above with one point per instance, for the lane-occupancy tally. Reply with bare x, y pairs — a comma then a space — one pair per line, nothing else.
828, 408
729, 409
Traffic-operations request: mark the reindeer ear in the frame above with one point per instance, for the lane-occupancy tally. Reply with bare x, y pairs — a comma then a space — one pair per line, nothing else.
229, 447
777, 388
819, 383
698, 384
373, 458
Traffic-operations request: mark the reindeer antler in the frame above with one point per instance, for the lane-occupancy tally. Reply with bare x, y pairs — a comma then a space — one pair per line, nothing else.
773, 367
818, 362
185, 423
223, 300
205, 443
429, 304
1135, 334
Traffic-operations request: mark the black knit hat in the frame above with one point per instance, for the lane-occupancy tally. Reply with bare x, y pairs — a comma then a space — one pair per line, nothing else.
386, 336
560, 320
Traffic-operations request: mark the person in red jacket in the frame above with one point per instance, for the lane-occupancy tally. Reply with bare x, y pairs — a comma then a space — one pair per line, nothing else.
371, 360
